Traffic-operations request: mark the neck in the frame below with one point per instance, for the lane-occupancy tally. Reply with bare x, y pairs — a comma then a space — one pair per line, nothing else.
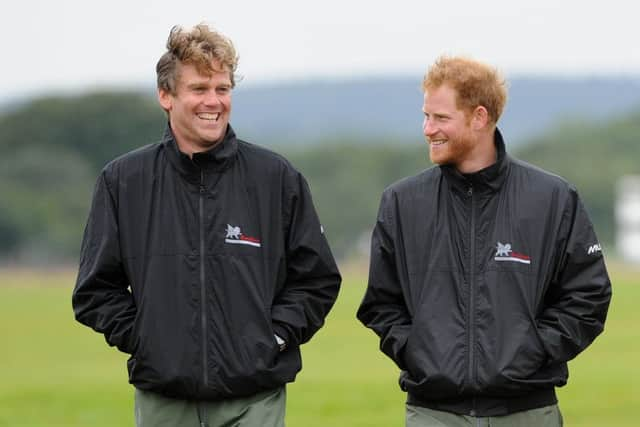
482, 156
189, 146
191, 149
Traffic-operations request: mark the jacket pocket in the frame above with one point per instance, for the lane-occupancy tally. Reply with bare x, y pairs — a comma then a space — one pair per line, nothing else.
252, 365
434, 365
434, 353
517, 365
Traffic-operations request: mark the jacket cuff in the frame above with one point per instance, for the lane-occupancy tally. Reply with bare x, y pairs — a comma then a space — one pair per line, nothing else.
394, 344
128, 344
282, 331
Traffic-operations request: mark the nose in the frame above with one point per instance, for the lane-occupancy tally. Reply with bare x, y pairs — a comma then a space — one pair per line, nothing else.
212, 99
428, 128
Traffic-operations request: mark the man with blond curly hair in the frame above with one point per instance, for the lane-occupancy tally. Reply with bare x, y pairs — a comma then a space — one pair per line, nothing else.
486, 276
203, 257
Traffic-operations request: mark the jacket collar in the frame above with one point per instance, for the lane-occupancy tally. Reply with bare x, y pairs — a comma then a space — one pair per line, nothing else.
215, 159
487, 180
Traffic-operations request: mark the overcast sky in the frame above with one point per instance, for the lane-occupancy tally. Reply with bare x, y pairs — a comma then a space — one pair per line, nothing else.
80, 44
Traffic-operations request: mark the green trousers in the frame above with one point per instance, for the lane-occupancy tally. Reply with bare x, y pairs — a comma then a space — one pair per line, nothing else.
549, 416
264, 409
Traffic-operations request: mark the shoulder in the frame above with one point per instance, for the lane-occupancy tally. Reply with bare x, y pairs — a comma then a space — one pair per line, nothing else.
261, 154
537, 178
132, 162
263, 160
415, 184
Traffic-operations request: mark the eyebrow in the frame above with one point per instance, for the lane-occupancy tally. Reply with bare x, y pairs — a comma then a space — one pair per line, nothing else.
436, 114
207, 83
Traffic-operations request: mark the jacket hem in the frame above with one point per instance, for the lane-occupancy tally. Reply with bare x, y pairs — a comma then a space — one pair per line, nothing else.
484, 406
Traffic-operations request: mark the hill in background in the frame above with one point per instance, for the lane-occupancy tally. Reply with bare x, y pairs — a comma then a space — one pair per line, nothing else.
391, 108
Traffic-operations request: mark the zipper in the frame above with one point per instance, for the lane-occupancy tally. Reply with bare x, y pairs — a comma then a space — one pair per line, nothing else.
471, 311
203, 291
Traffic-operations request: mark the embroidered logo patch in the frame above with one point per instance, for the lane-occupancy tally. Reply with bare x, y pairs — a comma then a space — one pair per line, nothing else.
504, 253
593, 249
235, 236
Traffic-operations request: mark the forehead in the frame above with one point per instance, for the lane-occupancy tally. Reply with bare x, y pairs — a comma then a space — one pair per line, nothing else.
188, 73
441, 97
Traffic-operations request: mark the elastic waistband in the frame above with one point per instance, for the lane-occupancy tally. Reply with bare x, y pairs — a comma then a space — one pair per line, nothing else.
486, 406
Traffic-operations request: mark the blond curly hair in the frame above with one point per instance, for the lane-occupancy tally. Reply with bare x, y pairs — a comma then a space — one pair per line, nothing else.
198, 46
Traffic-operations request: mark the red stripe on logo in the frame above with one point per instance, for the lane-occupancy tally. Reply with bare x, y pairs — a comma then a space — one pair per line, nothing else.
520, 256
249, 239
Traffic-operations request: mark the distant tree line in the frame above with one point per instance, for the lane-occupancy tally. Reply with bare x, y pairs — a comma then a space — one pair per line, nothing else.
52, 149
592, 156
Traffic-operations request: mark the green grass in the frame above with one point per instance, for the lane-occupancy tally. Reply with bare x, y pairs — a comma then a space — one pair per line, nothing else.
55, 372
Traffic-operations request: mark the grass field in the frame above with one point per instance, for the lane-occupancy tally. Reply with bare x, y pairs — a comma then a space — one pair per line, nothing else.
55, 372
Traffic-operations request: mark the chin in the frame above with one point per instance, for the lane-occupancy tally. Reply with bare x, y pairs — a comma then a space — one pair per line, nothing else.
438, 160
213, 139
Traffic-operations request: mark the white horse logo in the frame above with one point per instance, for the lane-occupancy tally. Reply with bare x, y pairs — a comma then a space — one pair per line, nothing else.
503, 250
233, 232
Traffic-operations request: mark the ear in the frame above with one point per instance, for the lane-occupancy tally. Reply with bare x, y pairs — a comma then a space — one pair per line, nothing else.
479, 118
165, 99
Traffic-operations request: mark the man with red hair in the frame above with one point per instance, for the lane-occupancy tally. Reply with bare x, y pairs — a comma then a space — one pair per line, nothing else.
486, 276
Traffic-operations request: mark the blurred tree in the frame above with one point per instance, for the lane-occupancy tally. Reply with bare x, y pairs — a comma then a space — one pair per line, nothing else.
592, 156
44, 202
97, 126
347, 179
51, 151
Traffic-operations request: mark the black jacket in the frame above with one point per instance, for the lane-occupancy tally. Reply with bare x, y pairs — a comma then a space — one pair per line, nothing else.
192, 266
483, 286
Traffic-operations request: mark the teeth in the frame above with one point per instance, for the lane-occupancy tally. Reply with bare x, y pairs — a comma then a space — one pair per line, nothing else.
209, 116
438, 142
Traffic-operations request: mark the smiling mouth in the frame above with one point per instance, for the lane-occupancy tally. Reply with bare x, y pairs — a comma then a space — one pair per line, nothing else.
213, 117
437, 142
